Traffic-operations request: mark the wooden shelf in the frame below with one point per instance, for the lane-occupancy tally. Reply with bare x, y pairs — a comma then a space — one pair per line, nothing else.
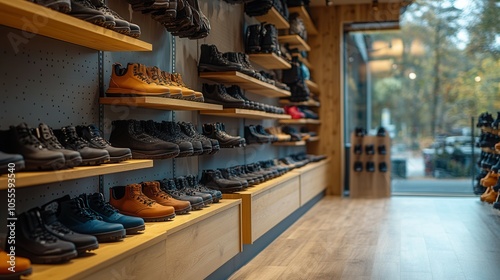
304, 15
244, 113
245, 82
313, 179
66, 28
26, 179
270, 61
313, 139
295, 41
105, 260
274, 17
310, 102
304, 60
279, 196
300, 121
159, 103
290, 143
313, 87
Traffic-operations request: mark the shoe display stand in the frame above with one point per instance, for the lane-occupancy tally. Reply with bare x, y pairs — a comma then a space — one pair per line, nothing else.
190, 245
280, 196
66, 28
159, 103
304, 15
245, 82
269, 61
244, 113
367, 184
301, 121
295, 41
28, 179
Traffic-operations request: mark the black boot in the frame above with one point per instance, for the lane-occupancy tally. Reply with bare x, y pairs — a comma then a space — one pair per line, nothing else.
208, 144
270, 40
46, 135
35, 242
217, 131
213, 179
130, 134
217, 94
160, 131
213, 60
253, 39
70, 140
93, 136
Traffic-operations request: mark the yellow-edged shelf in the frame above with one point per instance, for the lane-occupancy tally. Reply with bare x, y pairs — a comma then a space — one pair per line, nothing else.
159, 103
109, 253
245, 113
32, 178
269, 61
300, 121
245, 82
274, 17
66, 28
290, 143
310, 103
295, 41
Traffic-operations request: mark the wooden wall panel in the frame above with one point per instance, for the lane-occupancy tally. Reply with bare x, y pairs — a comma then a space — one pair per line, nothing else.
327, 58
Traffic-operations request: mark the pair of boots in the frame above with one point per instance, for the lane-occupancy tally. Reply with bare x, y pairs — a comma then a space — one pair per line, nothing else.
93, 11
262, 38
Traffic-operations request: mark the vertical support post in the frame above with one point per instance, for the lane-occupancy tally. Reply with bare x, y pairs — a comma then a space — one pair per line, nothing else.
100, 67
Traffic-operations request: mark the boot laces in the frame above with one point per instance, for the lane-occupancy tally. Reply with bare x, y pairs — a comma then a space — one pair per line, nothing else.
27, 138
74, 140
60, 228
144, 200
140, 75
104, 207
81, 211
96, 137
42, 236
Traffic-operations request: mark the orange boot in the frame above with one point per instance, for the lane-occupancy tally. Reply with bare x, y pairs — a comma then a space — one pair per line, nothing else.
13, 268
187, 93
133, 80
491, 197
490, 180
486, 194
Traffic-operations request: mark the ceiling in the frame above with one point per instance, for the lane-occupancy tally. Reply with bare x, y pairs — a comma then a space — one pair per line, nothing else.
350, 2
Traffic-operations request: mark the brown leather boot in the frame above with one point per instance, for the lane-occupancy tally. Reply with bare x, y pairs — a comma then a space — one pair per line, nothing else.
154, 73
486, 194
153, 191
133, 80
130, 200
491, 197
13, 268
490, 179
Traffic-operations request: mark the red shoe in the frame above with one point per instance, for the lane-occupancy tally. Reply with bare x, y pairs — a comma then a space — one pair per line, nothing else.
294, 112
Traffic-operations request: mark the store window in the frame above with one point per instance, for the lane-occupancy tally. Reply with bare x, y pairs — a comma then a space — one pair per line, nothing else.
426, 84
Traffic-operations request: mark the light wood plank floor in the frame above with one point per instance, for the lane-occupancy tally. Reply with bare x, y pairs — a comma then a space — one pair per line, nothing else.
398, 238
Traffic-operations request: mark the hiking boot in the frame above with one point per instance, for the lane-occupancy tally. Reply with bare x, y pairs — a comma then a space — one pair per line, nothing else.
213, 179
230, 174
96, 203
166, 133
294, 112
70, 140
121, 25
183, 185
217, 131
63, 6
22, 266
93, 136
80, 11
35, 242
234, 57
189, 130
254, 137
213, 60
217, 94
73, 214
131, 201
236, 92
253, 38
36, 156
155, 74
193, 184
82, 242
12, 162
133, 81
153, 191
187, 93
269, 42
46, 135
169, 186
130, 134
84, 9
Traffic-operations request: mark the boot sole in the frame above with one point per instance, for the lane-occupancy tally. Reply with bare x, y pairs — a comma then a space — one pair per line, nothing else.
95, 161
197, 206
110, 236
135, 230
16, 275
4, 168
70, 163
183, 211
159, 219
186, 154
120, 158
160, 154
82, 249
61, 258
134, 93
216, 68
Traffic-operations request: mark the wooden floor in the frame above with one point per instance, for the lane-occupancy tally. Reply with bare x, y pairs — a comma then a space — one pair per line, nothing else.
398, 238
